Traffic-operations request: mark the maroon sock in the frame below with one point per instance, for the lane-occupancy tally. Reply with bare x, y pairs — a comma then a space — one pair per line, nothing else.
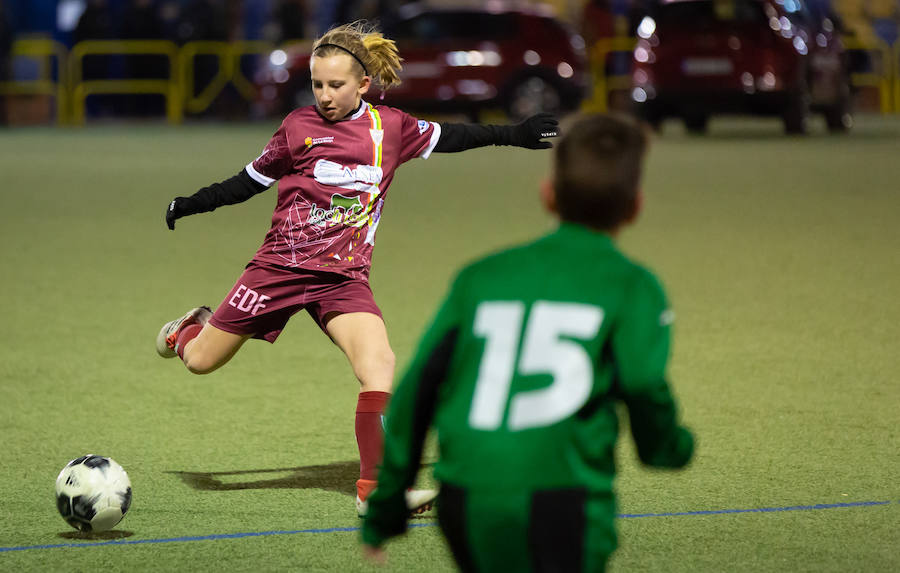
187, 334
370, 431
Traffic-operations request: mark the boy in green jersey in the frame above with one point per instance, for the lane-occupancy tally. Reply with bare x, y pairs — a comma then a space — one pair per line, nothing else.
520, 373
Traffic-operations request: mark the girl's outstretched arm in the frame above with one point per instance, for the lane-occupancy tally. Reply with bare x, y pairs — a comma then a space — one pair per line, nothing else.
233, 190
528, 134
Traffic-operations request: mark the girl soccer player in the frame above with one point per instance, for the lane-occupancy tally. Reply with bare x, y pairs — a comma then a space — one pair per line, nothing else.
334, 162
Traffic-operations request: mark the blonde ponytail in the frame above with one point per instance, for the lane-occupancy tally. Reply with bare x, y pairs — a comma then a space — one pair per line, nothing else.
375, 55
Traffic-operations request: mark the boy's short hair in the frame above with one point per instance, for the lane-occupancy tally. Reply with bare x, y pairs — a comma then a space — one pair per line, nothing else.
597, 170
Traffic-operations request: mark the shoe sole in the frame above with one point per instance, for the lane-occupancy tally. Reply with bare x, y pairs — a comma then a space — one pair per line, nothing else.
199, 315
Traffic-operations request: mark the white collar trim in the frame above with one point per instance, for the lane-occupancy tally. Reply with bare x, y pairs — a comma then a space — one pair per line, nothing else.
363, 106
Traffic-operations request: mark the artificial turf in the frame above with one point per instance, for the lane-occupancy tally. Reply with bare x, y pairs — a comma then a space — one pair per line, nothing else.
780, 256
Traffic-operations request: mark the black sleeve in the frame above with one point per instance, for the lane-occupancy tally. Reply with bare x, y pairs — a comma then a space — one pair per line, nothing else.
461, 136
530, 134
233, 190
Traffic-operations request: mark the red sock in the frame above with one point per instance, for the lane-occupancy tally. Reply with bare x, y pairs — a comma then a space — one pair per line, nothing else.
370, 431
187, 334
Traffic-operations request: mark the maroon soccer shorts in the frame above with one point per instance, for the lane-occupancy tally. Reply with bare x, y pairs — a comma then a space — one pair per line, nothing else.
266, 296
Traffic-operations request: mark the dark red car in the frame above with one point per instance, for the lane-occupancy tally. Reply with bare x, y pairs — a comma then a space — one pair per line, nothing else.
522, 60
696, 58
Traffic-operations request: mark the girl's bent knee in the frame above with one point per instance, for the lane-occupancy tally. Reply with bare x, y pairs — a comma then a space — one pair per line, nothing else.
198, 366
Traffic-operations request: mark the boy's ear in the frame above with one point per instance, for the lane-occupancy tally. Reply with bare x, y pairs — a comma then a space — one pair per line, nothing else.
548, 196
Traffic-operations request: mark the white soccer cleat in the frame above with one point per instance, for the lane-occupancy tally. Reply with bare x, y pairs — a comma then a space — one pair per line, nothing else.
168, 336
417, 501
420, 500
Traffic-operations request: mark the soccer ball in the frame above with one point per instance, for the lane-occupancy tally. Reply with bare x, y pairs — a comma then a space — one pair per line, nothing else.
93, 493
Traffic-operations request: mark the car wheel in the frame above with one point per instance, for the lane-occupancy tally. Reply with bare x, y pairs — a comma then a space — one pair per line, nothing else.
796, 112
839, 117
697, 124
531, 96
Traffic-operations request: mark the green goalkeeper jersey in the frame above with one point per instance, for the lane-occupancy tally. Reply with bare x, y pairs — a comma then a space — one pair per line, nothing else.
520, 373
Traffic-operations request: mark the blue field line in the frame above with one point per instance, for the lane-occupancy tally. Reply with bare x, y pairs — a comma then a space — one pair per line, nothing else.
758, 509
219, 536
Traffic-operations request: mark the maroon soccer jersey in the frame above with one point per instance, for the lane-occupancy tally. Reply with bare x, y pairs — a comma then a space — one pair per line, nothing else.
333, 179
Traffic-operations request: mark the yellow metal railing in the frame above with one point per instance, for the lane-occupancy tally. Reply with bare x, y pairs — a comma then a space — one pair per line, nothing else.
71, 89
884, 75
228, 56
170, 88
605, 84
896, 71
43, 50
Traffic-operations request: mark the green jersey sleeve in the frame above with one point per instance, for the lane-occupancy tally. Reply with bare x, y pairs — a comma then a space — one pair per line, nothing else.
640, 342
409, 416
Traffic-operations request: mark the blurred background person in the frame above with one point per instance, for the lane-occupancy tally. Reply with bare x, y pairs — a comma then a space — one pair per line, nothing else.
142, 21
170, 19
205, 21
288, 21
95, 23
330, 13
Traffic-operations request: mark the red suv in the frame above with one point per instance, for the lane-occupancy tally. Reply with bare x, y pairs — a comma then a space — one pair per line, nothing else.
695, 58
523, 60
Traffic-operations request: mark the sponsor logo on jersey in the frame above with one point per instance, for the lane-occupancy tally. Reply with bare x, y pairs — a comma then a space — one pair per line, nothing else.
362, 178
311, 141
343, 209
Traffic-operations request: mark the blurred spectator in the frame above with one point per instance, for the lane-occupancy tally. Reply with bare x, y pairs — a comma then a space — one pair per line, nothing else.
214, 21
141, 21
95, 23
170, 19
330, 13
6, 39
288, 21
203, 20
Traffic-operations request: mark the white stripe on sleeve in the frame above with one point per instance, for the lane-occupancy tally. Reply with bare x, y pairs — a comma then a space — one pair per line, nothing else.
435, 136
257, 176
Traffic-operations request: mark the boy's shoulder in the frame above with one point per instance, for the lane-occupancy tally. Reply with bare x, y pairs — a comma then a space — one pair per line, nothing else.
583, 255
506, 256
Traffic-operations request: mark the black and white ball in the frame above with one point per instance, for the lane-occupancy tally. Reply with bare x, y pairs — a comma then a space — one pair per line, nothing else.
93, 493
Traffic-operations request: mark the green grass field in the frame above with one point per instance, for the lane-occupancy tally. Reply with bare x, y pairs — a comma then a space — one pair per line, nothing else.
781, 257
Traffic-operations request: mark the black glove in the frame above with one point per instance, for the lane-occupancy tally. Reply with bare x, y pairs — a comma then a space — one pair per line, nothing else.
529, 133
229, 192
176, 210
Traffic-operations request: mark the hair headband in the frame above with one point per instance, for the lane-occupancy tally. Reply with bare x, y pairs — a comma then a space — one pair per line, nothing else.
355, 57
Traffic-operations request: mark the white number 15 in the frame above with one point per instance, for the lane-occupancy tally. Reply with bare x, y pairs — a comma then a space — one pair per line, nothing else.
544, 351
